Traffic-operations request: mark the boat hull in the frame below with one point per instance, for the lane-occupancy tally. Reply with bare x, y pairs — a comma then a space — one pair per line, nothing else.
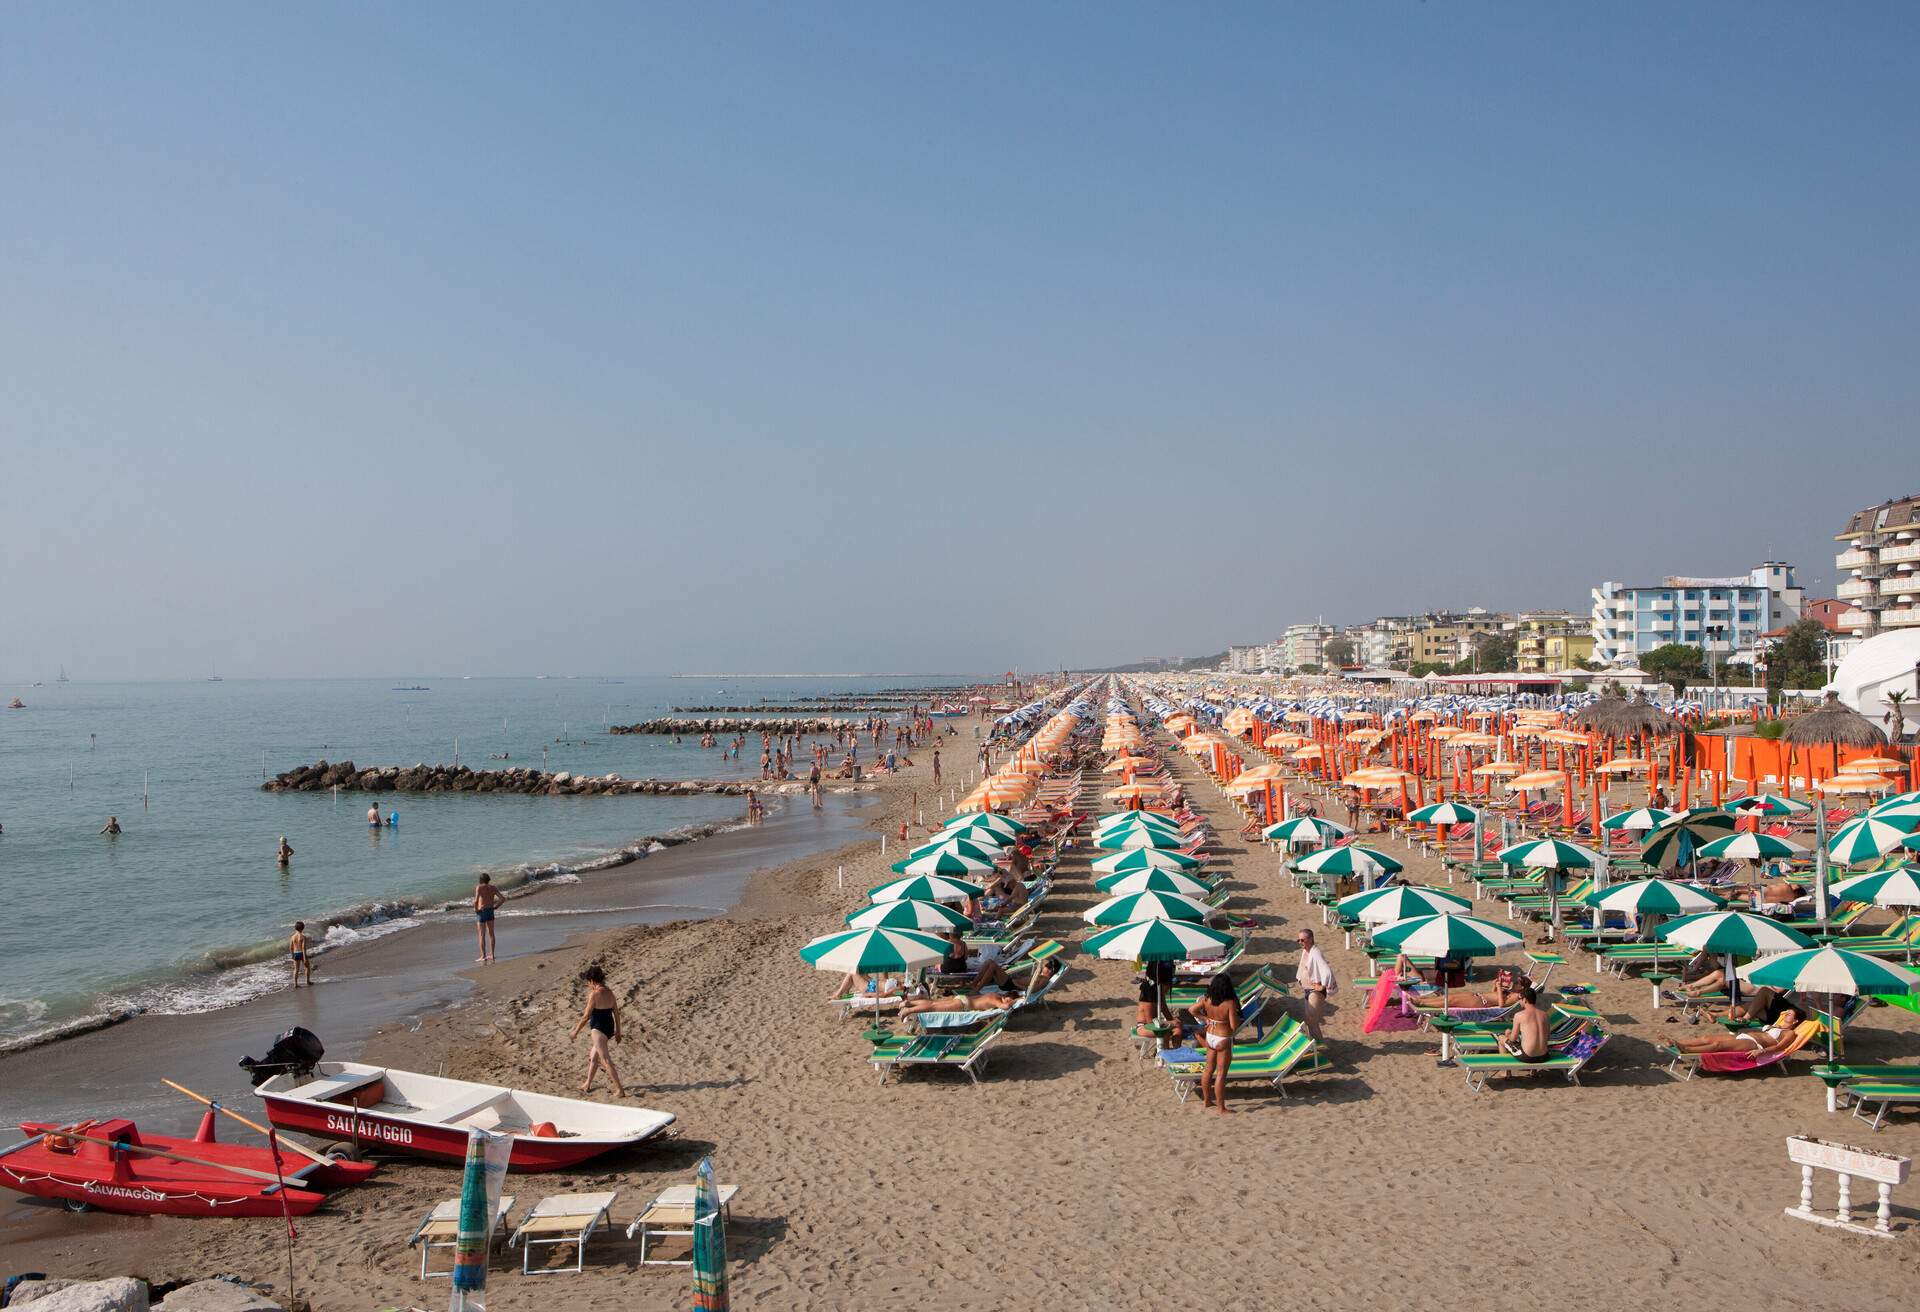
395, 1134
110, 1179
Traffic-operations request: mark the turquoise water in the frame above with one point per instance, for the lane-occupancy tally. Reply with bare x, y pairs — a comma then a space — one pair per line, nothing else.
168, 915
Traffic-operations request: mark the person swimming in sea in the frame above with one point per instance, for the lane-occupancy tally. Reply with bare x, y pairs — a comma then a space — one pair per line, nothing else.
112, 827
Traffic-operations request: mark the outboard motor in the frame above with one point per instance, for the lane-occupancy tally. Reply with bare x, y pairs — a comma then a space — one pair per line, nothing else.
295, 1053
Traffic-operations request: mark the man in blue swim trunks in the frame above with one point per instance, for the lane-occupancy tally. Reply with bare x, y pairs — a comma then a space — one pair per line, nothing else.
485, 898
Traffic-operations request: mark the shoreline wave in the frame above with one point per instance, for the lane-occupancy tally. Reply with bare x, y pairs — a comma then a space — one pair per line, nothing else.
231, 975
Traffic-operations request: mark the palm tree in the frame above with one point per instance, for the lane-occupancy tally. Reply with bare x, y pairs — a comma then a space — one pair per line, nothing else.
1897, 716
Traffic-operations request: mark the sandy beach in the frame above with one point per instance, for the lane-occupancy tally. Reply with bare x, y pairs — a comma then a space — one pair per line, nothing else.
1070, 1177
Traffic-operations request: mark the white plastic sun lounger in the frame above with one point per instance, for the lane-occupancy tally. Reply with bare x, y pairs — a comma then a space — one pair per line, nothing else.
441, 1229
559, 1220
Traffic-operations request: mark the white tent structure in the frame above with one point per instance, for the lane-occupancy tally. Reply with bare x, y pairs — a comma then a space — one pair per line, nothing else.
1888, 662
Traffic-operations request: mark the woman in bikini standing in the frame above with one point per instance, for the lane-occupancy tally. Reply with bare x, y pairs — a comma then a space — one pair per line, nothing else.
1219, 1015
601, 1015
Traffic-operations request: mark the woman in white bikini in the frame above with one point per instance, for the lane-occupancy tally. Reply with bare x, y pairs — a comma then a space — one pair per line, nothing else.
1758, 1042
1219, 1016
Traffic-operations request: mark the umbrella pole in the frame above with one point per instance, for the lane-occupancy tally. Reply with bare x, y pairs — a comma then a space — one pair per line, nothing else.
1820, 862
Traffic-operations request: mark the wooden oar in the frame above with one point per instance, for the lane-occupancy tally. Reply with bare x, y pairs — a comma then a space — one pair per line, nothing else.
175, 1157
300, 1148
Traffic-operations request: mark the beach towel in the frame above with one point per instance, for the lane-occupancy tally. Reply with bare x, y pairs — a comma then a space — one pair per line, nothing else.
1378, 1016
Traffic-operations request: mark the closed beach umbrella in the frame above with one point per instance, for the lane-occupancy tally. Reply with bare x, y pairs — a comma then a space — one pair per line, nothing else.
926, 888
1120, 840
1130, 907
943, 863
909, 913
874, 951
1654, 897
1151, 881
1735, 933
1305, 829
1870, 837
987, 820
1143, 858
1383, 906
1752, 847
1899, 887
1444, 813
1638, 820
1365, 862
1159, 940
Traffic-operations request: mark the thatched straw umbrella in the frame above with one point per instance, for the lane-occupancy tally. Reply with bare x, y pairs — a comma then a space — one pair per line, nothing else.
1634, 722
1833, 726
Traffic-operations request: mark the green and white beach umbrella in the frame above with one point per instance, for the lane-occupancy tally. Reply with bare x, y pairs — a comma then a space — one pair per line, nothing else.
1733, 933
1121, 840
1305, 829
1129, 907
1382, 906
1143, 858
1654, 897
1898, 804
925, 888
1444, 813
1366, 862
1122, 827
1769, 804
909, 913
985, 820
1898, 887
1831, 970
988, 852
1870, 837
1679, 839
1447, 936
874, 951
1548, 854
1134, 819
1753, 847
1638, 820
1159, 940
1151, 881
943, 863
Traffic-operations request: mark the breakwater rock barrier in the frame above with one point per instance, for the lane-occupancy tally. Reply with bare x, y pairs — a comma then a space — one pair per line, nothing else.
323, 775
685, 725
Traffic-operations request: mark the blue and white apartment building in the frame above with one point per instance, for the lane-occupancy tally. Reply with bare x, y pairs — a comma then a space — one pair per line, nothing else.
1724, 617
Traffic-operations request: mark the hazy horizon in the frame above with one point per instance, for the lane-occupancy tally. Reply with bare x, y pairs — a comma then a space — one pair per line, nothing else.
358, 341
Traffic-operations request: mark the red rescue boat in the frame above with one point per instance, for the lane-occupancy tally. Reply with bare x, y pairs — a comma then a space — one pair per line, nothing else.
111, 1166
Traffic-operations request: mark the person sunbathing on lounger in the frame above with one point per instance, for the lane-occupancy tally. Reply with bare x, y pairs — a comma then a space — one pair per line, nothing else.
1527, 1038
1463, 999
1758, 1043
1704, 973
988, 998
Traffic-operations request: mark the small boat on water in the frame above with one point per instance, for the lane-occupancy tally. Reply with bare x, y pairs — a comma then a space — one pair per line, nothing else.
111, 1166
429, 1115
16, 705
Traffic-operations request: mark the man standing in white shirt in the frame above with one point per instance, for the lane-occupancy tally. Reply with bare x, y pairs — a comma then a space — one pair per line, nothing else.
1316, 981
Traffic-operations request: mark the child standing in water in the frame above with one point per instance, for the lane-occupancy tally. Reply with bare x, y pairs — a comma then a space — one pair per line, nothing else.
601, 1015
485, 898
302, 957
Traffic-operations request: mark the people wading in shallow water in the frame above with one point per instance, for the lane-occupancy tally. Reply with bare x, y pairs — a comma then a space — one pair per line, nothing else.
601, 1016
485, 898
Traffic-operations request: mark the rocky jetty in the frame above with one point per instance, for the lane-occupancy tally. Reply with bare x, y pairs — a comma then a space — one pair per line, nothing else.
686, 725
323, 775
780, 710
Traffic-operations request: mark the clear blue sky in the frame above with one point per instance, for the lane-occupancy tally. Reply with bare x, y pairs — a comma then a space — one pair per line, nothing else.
471, 338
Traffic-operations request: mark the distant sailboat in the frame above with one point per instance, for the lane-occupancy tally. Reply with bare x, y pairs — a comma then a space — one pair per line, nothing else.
63, 676
215, 676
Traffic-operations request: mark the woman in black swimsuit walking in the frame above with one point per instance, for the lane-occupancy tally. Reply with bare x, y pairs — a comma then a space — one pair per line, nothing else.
601, 1016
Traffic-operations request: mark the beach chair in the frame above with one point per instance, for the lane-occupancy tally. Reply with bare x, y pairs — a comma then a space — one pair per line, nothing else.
671, 1214
962, 1052
1569, 1061
1881, 1095
558, 1221
1285, 1048
441, 1229
1900, 939
1685, 1065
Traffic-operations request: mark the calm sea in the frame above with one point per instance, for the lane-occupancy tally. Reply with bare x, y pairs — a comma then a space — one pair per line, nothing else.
174, 913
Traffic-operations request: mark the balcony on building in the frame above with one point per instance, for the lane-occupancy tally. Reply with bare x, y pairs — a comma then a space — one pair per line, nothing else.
1853, 588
